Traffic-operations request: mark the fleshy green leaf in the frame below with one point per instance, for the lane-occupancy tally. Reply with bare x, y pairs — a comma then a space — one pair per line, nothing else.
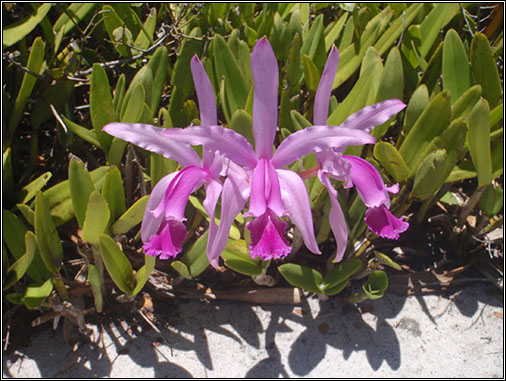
34, 64
158, 63
433, 120
466, 102
303, 277
341, 273
48, 240
142, 275
34, 294
117, 264
428, 174
491, 202
237, 258
97, 217
195, 259
134, 105
17, 31
101, 105
478, 139
392, 161
484, 69
456, 68
132, 217
75, 10
81, 186
114, 193
16, 271
28, 191
311, 73
376, 284
95, 283
386, 260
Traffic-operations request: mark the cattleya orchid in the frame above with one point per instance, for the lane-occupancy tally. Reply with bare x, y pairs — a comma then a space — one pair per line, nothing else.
273, 191
355, 171
162, 230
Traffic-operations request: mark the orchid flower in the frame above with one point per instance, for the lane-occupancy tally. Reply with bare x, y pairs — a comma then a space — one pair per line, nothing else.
354, 170
259, 174
162, 230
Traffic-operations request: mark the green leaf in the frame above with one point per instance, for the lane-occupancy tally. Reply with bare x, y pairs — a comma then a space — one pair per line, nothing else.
478, 138
28, 191
428, 175
376, 285
17, 31
456, 68
392, 161
333, 34
145, 36
97, 217
119, 95
237, 258
48, 240
484, 69
96, 286
75, 10
392, 80
386, 260
8, 180
101, 105
195, 259
16, 271
303, 277
466, 102
81, 186
142, 275
341, 273
395, 29
417, 103
337, 288
27, 212
226, 66
313, 38
82, 132
242, 123
298, 120
34, 294
181, 268
293, 72
491, 202
134, 105
59, 198
132, 217
117, 264
437, 19
114, 193
362, 93
433, 120
34, 64
112, 22
311, 73
158, 63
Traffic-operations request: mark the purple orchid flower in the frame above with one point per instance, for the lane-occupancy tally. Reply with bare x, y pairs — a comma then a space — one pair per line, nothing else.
354, 170
259, 175
162, 230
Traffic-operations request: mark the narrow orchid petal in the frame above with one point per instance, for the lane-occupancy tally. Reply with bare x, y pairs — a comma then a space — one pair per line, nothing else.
382, 222
371, 116
235, 193
265, 190
226, 141
336, 220
205, 93
317, 139
150, 223
322, 97
152, 139
264, 67
368, 181
296, 202
179, 190
213, 192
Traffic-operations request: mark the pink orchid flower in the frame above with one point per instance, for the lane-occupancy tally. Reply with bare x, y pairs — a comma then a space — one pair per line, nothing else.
274, 192
162, 230
354, 170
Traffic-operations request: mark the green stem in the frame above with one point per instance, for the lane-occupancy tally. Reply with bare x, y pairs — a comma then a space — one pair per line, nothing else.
60, 287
